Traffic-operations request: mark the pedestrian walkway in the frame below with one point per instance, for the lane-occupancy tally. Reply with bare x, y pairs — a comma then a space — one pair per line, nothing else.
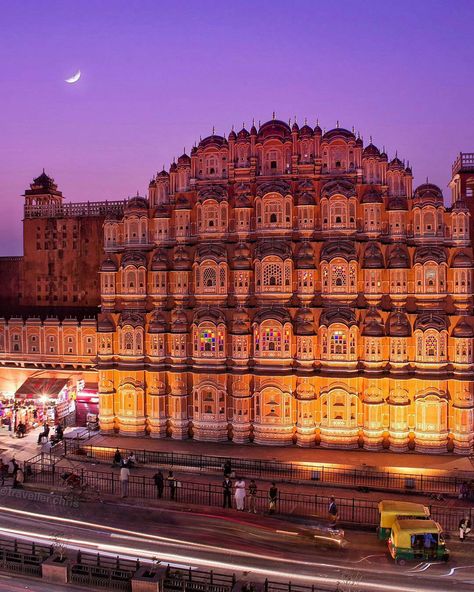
360, 459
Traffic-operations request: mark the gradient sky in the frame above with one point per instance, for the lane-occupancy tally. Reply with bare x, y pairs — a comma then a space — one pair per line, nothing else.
157, 75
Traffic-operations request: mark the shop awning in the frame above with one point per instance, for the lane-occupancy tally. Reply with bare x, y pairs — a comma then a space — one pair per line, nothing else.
35, 388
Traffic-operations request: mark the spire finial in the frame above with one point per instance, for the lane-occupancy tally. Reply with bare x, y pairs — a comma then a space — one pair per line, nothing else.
337, 123
232, 128
163, 166
213, 130
253, 121
43, 171
427, 180
184, 150
306, 121
259, 124
243, 124
370, 137
273, 115
396, 153
317, 121
353, 129
383, 148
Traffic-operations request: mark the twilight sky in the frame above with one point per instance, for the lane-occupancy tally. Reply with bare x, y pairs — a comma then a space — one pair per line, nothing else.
157, 75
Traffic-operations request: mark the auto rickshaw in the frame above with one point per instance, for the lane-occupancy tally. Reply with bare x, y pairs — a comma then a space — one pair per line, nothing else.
391, 510
417, 540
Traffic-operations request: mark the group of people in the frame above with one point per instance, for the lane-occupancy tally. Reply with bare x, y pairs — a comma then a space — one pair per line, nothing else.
466, 490
43, 436
241, 493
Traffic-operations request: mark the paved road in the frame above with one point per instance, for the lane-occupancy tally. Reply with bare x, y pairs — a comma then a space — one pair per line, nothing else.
235, 542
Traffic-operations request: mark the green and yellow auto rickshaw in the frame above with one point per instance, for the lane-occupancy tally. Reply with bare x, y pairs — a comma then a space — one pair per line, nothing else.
413, 540
391, 510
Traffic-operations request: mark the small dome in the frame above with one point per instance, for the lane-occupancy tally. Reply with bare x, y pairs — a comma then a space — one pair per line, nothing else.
396, 164
214, 139
398, 257
105, 324
274, 128
184, 159
431, 320
162, 175
317, 130
408, 170
462, 329
398, 325
243, 134
397, 203
428, 193
253, 130
370, 151
295, 127
240, 324
157, 323
383, 156
304, 322
109, 264
305, 199
373, 324
359, 142
339, 132
371, 196
159, 261
373, 258
179, 321
136, 203
232, 135
182, 259
461, 259
305, 256
306, 132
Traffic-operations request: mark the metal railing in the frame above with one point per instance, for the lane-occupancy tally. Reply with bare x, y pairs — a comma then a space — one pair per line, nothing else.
351, 510
283, 471
465, 160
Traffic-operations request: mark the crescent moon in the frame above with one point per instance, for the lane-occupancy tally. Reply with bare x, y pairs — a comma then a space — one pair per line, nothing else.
74, 78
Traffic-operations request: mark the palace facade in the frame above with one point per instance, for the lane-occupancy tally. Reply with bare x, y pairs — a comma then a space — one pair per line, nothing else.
284, 285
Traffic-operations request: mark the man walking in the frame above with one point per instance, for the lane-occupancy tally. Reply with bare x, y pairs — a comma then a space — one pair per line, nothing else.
227, 492
172, 484
272, 498
117, 460
464, 528
332, 511
253, 496
124, 478
159, 483
44, 434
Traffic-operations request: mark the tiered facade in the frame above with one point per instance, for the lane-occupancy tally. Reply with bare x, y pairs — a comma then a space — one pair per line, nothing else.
284, 286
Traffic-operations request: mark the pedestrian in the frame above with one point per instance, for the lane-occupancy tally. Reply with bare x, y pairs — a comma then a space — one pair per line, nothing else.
172, 485
59, 432
44, 434
239, 494
227, 492
464, 528
14, 471
21, 430
332, 511
227, 468
11, 466
131, 460
2, 472
160, 483
117, 460
463, 490
272, 498
253, 496
124, 480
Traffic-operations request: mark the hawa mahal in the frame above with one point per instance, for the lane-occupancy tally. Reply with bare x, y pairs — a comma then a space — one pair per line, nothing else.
283, 285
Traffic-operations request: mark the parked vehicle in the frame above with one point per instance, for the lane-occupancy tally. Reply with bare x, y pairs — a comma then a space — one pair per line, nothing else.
391, 510
413, 539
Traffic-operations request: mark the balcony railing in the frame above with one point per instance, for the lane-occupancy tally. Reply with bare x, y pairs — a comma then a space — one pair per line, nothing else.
464, 162
67, 210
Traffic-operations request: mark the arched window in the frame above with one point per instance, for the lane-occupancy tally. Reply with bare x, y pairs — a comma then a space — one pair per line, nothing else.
273, 274
338, 344
128, 341
209, 276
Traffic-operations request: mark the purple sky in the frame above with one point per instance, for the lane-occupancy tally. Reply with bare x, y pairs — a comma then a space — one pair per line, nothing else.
157, 75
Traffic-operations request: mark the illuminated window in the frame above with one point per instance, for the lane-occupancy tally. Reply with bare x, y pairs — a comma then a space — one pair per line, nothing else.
338, 343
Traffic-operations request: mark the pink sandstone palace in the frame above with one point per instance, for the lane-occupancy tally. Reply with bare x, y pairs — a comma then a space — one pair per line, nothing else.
283, 286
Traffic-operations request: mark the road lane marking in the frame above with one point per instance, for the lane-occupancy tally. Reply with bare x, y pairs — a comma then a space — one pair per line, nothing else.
287, 532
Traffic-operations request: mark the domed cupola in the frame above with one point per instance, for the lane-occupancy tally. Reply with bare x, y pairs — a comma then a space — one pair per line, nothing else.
383, 156
136, 203
306, 131
373, 324
397, 202
373, 258
173, 167
159, 261
241, 259
182, 259
461, 259
184, 160
109, 264
240, 324
295, 127
232, 135
398, 257
162, 175
371, 151
317, 130
243, 134
179, 321
274, 128
463, 329
304, 322
396, 165
105, 324
428, 194
398, 324
157, 323
305, 256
